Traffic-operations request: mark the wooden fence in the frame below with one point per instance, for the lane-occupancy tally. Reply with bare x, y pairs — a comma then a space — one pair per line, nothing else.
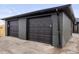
2, 30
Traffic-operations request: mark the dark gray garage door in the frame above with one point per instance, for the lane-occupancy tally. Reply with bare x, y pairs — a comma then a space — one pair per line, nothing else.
78, 27
40, 29
13, 28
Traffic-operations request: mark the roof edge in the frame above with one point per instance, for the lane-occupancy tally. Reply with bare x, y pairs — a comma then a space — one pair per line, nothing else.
43, 11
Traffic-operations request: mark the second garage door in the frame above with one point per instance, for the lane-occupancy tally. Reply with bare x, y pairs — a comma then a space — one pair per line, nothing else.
13, 28
40, 29
78, 28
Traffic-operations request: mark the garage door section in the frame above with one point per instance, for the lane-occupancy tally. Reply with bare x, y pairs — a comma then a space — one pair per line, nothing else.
40, 30
13, 28
78, 28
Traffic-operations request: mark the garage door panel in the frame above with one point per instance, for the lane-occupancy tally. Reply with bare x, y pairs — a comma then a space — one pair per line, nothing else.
13, 28
78, 28
39, 29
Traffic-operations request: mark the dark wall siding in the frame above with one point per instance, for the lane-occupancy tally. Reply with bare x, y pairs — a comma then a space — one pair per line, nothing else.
55, 30
67, 29
22, 28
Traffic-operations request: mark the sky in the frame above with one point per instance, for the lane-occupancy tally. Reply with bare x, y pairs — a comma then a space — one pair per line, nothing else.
7, 10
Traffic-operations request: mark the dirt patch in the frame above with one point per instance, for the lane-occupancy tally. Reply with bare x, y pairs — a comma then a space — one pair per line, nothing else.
12, 45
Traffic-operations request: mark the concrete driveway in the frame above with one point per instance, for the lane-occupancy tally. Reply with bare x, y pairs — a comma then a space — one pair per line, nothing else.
12, 45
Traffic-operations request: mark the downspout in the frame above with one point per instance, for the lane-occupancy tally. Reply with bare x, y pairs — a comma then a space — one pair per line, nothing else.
59, 34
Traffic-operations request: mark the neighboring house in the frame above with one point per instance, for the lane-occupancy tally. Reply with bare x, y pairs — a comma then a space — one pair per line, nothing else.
76, 26
53, 25
2, 30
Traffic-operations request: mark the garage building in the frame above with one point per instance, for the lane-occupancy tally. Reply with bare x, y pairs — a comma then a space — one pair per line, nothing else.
76, 26
52, 26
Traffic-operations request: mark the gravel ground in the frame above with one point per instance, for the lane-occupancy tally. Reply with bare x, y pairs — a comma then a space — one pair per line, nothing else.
12, 45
